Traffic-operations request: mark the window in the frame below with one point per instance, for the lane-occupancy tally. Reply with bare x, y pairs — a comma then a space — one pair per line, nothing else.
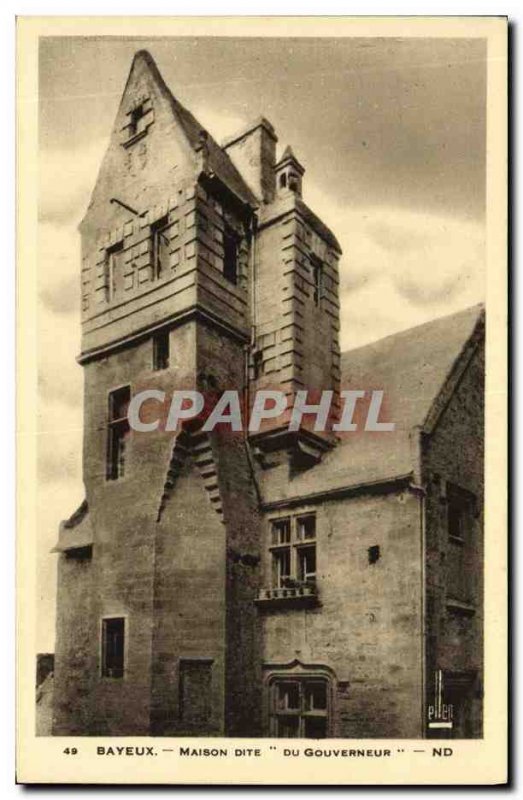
230, 256
293, 551
118, 432
299, 708
113, 647
461, 567
195, 689
161, 350
160, 246
460, 512
136, 118
283, 180
114, 280
317, 279
374, 553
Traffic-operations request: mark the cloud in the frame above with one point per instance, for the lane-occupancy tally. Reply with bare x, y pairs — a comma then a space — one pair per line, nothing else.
66, 179
401, 267
219, 125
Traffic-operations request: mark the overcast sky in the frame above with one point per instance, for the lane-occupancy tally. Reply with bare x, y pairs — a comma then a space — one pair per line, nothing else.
391, 133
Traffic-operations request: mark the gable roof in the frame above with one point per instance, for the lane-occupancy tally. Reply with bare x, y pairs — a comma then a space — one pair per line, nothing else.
218, 160
412, 368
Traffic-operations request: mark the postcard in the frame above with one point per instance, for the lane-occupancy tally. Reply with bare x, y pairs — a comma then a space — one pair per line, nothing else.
262, 382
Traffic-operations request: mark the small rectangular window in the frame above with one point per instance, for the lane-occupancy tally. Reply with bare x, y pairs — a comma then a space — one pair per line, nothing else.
230, 256
196, 691
160, 243
136, 117
161, 350
373, 553
317, 278
293, 551
113, 647
460, 511
118, 432
114, 278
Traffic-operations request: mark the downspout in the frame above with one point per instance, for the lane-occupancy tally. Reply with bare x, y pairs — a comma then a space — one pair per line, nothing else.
248, 349
420, 491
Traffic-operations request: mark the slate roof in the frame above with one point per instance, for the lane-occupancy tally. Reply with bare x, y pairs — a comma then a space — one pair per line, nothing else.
411, 367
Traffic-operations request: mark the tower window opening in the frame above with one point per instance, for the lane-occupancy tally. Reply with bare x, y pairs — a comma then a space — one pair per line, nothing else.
317, 277
135, 117
118, 432
293, 183
114, 271
161, 350
283, 180
160, 246
230, 256
113, 647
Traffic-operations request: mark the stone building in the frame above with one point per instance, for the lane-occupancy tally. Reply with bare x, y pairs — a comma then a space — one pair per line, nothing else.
288, 583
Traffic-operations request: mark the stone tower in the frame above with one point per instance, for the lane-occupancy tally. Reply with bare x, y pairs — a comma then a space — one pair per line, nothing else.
203, 268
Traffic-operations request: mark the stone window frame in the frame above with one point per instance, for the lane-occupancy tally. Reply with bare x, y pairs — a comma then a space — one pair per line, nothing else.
116, 248
465, 501
130, 131
298, 671
194, 661
161, 341
104, 618
291, 550
159, 227
318, 278
113, 426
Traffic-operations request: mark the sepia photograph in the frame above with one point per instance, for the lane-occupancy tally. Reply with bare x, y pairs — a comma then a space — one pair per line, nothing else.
261, 310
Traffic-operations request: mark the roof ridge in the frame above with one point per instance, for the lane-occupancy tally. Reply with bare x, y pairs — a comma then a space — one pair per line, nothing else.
468, 310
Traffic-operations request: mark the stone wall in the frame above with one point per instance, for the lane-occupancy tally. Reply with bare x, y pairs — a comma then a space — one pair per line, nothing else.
367, 627
454, 454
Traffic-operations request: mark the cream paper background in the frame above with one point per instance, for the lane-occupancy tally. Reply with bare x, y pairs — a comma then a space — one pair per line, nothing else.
41, 759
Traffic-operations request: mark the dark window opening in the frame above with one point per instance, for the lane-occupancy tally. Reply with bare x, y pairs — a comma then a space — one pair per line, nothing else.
80, 553
230, 256
307, 564
114, 280
317, 278
293, 183
299, 708
135, 126
283, 180
460, 512
160, 246
281, 560
195, 691
374, 553
307, 527
113, 647
161, 350
118, 432
281, 531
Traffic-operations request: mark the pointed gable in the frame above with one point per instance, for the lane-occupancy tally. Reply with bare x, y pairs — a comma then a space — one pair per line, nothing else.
155, 143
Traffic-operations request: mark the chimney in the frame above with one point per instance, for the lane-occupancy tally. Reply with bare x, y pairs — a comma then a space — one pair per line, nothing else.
253, 153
